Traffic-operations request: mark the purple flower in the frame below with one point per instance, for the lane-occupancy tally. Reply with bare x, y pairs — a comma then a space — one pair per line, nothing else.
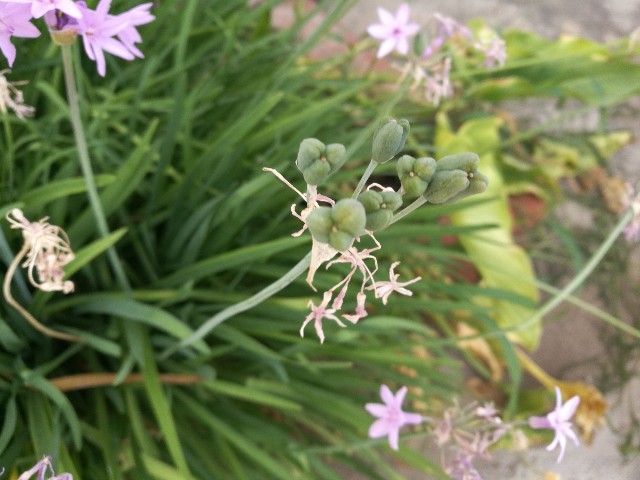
15, 21
559, 421
391, 418
394, 32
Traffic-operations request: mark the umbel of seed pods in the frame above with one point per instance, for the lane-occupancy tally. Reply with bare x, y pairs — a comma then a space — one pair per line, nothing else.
447, 180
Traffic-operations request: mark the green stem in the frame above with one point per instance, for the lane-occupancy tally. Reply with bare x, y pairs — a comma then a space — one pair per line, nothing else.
365, 176
408, 209
85, 164
580, 277
243, 306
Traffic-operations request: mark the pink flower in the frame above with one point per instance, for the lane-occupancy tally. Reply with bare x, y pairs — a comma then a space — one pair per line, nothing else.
391, 418
559, 421
98, 29
495, 51
394, 32
318, 314
384, 289
631, 200
15, 21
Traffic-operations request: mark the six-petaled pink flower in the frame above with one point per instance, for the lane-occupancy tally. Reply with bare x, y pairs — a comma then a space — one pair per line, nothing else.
318, 314
393, 31
384, 289
391, 417
559, 421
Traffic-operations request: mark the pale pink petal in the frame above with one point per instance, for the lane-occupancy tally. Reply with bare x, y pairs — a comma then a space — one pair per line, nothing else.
386, 17
386, 47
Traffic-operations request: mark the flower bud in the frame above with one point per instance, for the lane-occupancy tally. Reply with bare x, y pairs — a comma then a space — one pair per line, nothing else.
467, 161
338, 225
415, 174
379, 207
445, 185
477, 184
389, 139
317, 161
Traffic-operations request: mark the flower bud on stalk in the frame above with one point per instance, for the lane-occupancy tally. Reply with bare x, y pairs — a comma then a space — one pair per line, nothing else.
317, 161
389, 139
338, 225
415, 174
379, 207
456, 177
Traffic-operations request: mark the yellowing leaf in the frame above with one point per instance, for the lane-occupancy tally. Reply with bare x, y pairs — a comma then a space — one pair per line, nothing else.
501, 262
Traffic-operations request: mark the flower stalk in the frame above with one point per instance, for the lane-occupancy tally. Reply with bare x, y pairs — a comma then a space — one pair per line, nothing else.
85, 162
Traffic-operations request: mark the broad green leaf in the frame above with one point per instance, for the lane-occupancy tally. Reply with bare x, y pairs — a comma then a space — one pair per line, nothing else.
501, 262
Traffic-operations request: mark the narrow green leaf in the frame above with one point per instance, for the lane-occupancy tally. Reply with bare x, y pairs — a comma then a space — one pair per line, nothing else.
143, 313
9, 423
60, 189
61, 401
234, 258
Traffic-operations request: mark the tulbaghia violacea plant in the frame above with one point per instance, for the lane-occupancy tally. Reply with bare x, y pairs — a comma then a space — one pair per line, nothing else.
429, 63
100, 30
339, 229
464, 434
45, 251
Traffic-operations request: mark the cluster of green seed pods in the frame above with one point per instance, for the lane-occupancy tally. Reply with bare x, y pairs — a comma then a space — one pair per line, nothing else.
447, 180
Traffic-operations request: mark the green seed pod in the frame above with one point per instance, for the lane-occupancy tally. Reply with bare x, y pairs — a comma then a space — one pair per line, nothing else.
467, 161
379, 207
477, 184
320, 223
349, 216
338, 225
341, 241
445, 185
317, 161
415, 174
389, 139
